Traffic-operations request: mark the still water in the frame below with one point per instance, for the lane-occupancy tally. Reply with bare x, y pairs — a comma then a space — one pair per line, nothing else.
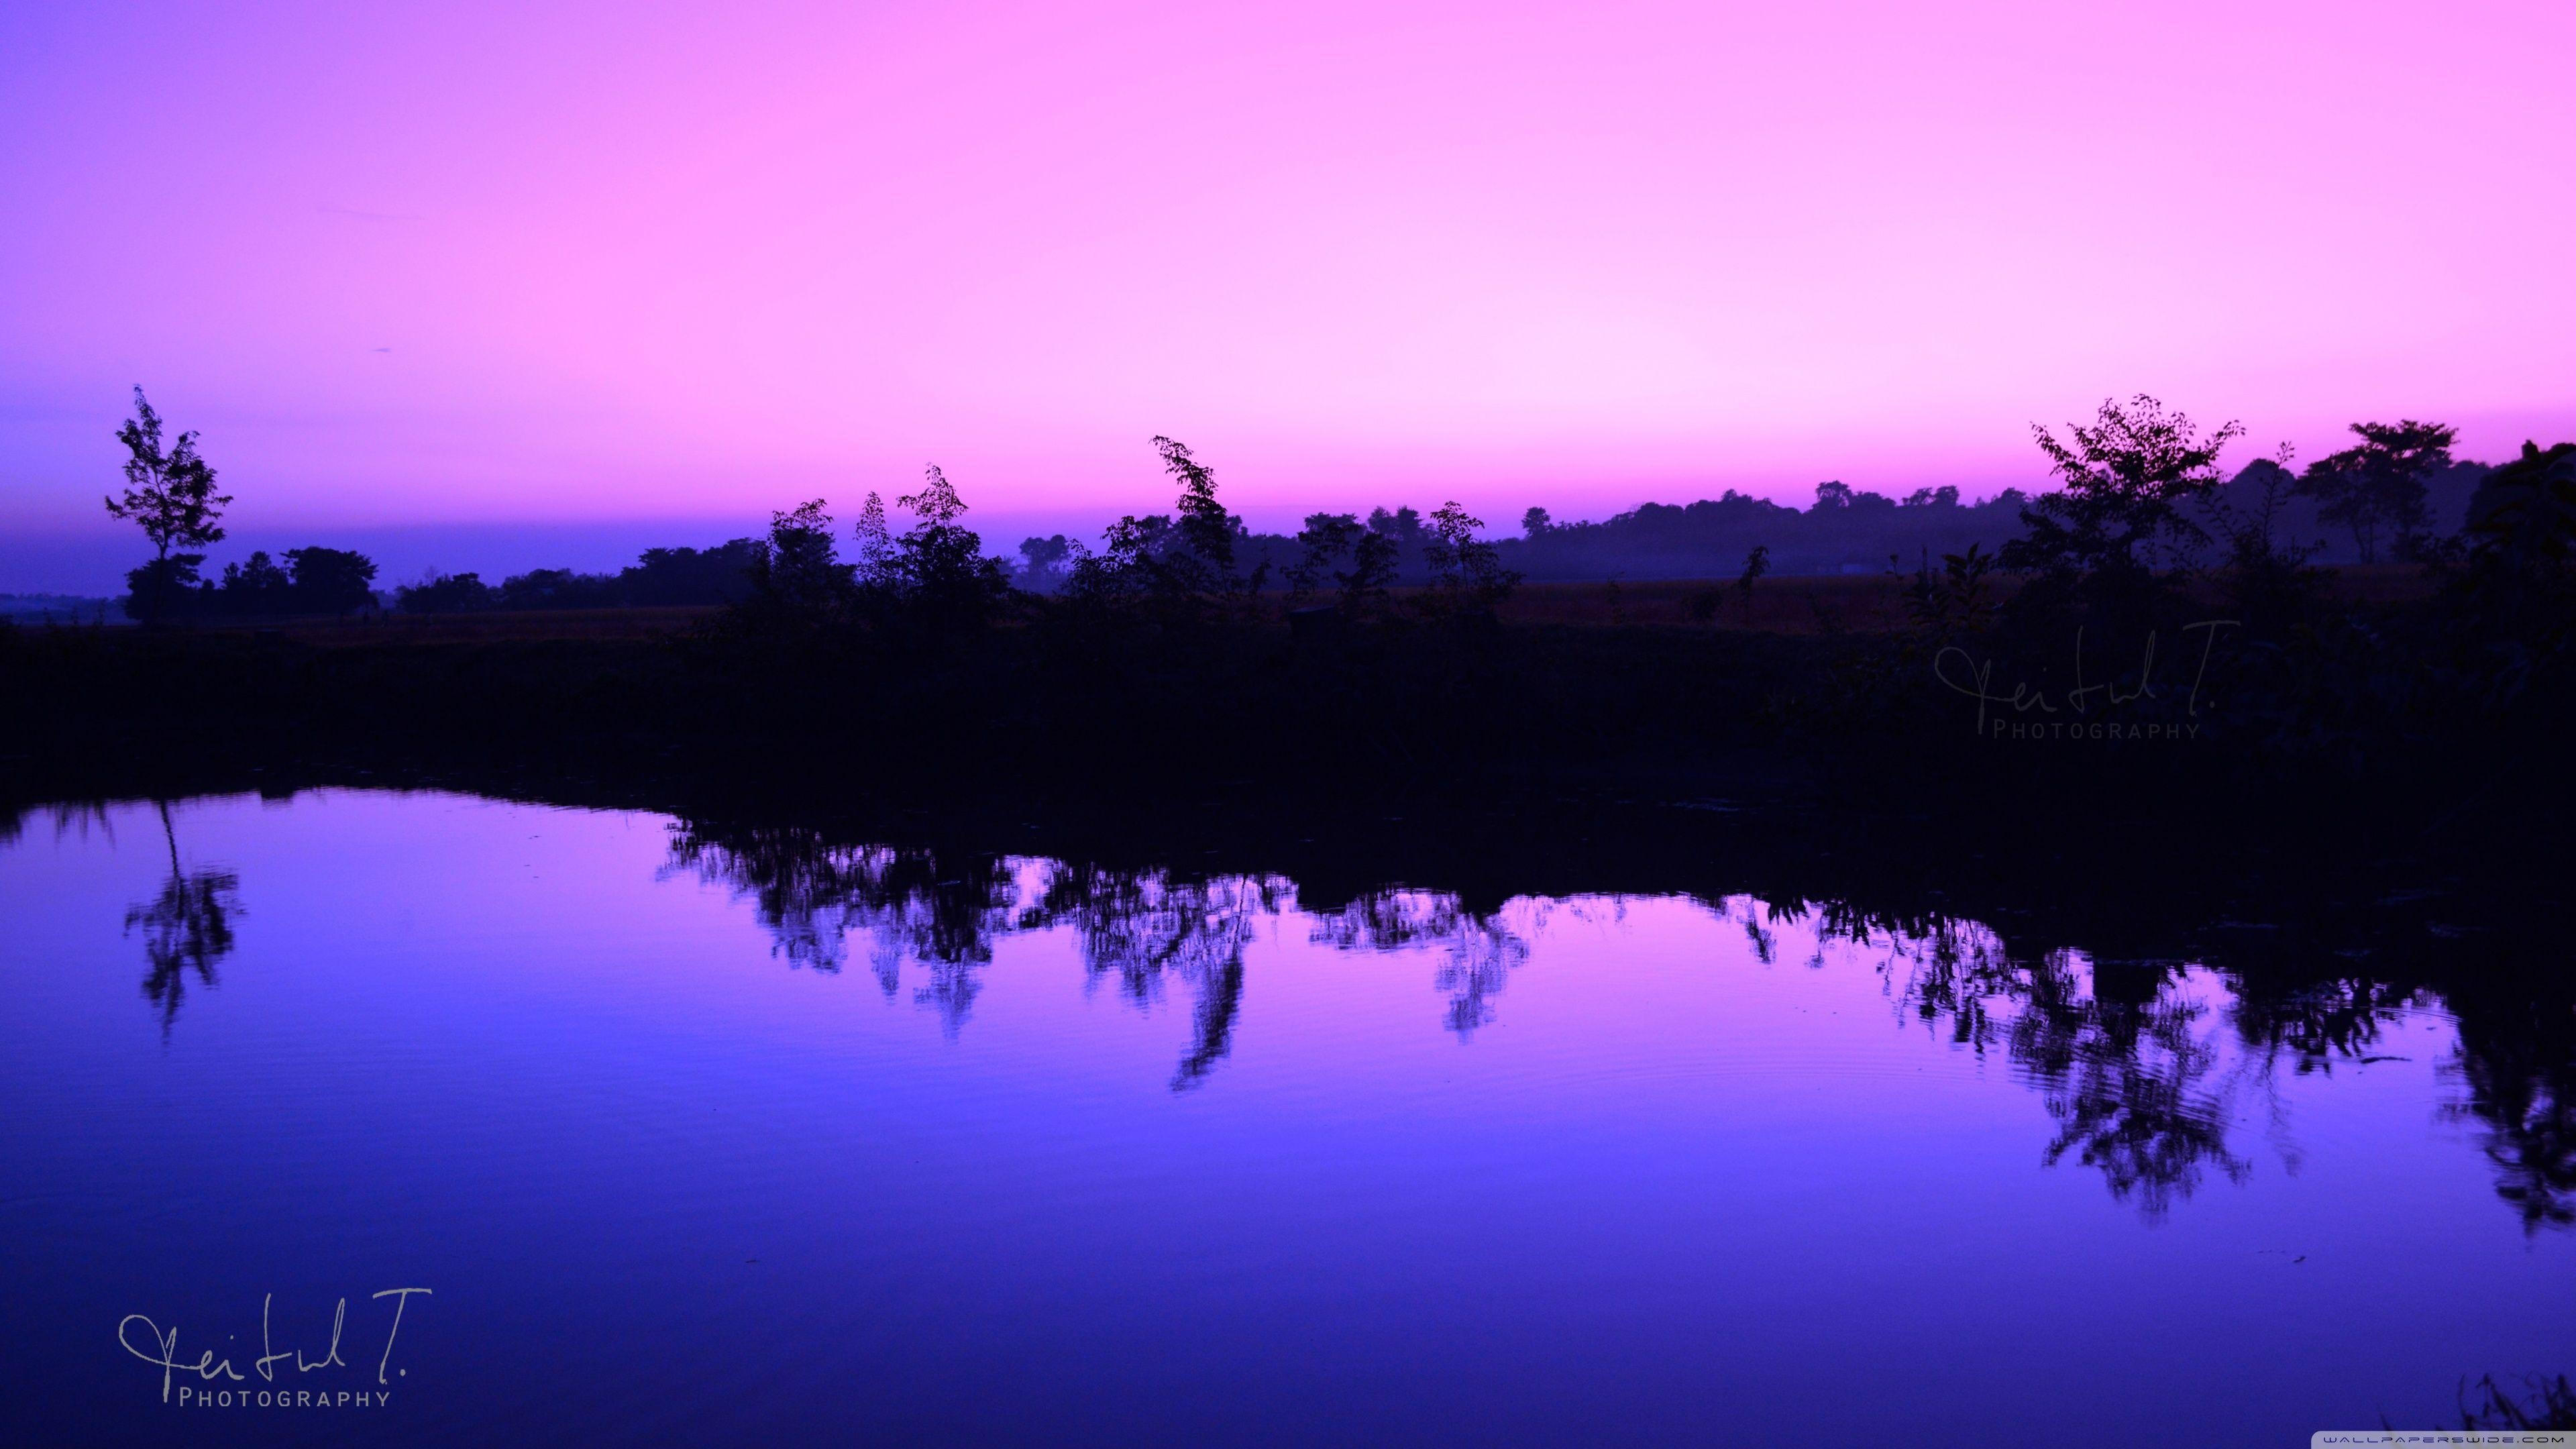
705, 1137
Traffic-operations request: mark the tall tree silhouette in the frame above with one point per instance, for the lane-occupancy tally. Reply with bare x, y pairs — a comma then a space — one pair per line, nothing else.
171, 494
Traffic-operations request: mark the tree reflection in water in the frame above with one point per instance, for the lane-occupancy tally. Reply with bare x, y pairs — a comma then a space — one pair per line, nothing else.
1480, 951
2144, 1067
1137, 929
186, 928
1140, 929
942, 912
2124, 1055
2517, 1065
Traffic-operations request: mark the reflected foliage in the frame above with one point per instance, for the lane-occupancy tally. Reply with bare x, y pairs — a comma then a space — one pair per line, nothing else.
1479, 951
1140, 932
2123, 1056
2539, 1402
941, 913
1142, 929
187, 928
2516, 1065
2145, 1068
2148, 1070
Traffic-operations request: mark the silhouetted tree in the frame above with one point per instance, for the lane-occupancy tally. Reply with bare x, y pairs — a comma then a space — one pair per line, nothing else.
2513, 596
2268, 579
1184, 563
1327, 540
1045, 563
2127, 479
1206, 531
446, 594
330, 580
798, 573
1463, 566
171, 495
876, 561
257, 586
1365, 583
1954, 598
943, 578
1757, 562
2522, 521
2379, 485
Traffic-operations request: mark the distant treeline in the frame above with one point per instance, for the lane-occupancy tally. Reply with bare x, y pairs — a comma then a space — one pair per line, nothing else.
1844, 530
662, 578
2396, 494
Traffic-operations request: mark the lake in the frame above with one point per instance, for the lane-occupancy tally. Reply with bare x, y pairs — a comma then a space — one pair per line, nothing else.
687, 1133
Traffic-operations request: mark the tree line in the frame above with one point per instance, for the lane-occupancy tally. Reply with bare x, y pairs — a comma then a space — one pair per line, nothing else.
2396, 494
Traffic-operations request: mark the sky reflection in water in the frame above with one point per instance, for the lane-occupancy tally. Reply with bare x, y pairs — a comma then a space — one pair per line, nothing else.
705, 1132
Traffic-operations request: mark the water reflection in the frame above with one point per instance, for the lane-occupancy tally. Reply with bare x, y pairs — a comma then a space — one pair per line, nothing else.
187, 928
2147, 1069
1140, 929
1479, 951
2144, 1067
2123, 1055
2517, 1062
813, 895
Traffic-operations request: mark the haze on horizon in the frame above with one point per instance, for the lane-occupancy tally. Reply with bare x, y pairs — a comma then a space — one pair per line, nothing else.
594, 272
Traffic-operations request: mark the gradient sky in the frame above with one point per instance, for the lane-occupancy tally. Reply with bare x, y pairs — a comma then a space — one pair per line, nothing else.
590, 272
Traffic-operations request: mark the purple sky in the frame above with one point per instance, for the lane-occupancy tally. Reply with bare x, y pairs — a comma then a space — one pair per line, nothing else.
552, 279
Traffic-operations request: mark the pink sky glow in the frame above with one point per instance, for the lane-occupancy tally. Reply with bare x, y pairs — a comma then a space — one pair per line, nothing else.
505, 263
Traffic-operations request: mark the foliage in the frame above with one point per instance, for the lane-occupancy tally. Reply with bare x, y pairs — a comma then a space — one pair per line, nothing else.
1705, 539
1327, 540
659, 578
257, 586
163, 588
2268, 579
1184, 565
1464, 568
938, 574
1954, 599
2098, 541
2380, 484
330, 580
447, 594
2545, 1403
798, 572
171, 495
2524, 519
2515, 586
1045, 563
2126, 480
1757, 562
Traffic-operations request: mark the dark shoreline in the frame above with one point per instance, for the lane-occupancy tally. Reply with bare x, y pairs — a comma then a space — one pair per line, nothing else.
1637, 761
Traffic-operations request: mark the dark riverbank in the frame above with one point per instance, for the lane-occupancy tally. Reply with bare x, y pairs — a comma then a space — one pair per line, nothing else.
1497, 760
